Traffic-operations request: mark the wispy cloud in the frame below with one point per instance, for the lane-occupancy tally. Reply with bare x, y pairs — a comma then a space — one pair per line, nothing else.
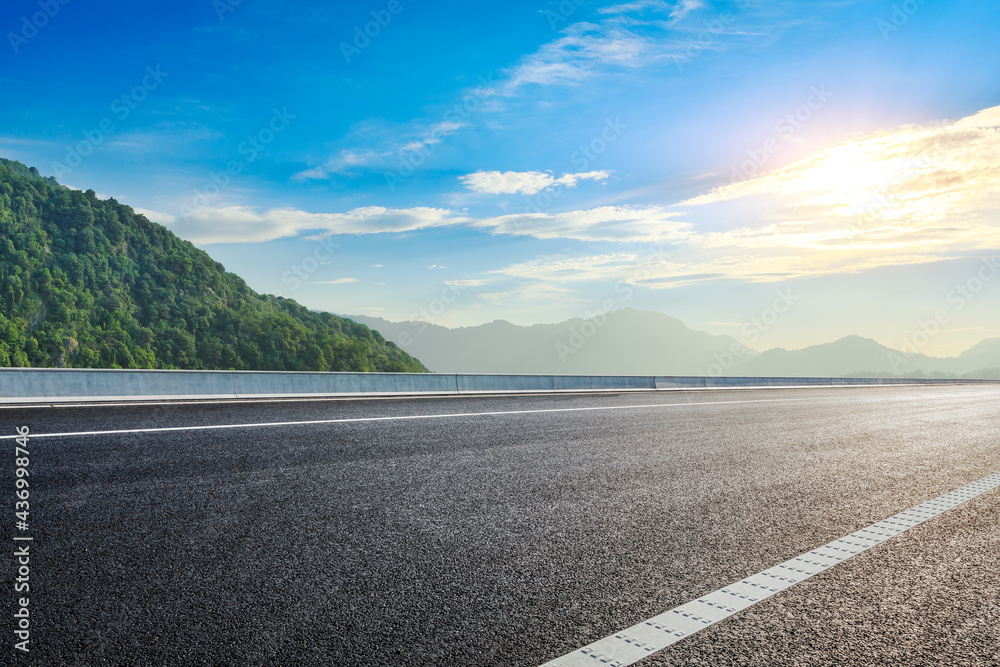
535, 298
166, 136
410, 140
558, 268
155, 216
343, 162
622, 40
472, 282
677, 10
911, 196
338, 281
584, 50
637, 6
644, 224
914, 176
19, 141
685, 7
524, 182
239, 224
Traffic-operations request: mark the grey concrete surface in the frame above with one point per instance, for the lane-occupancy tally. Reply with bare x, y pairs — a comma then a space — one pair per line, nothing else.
56, 385
512, 538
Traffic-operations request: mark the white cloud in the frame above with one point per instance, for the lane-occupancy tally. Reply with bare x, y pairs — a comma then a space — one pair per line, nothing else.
634, 7
239, 224
466, 283
917, 195
343, 162
582, 51
433, 135
155, 216
539, 295
935, 190
644, 224
523, 182
909, 177
684, 266
165, 136
624, 38
351, 159
314, 174
338, 281
564, 269
685, 7
677, 10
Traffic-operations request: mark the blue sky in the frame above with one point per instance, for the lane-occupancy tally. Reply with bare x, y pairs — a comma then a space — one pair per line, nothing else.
534, 161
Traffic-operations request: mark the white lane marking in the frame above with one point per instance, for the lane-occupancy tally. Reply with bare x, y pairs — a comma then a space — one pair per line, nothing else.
140, 401
643, 639
348, 420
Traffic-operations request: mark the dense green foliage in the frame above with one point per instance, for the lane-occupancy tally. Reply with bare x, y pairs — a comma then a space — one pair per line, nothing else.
89, 283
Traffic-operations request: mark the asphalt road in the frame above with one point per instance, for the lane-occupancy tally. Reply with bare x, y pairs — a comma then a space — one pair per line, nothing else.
507, 539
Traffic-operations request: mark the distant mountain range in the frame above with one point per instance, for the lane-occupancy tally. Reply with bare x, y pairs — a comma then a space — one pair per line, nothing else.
634, 342
630, 342
857, 356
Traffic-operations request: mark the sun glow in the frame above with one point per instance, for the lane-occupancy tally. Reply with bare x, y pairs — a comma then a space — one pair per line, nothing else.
911, 177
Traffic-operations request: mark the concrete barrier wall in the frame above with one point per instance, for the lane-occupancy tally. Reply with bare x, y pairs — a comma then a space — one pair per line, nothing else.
468, 384
48, 385
693, 382
603, 382
19, 384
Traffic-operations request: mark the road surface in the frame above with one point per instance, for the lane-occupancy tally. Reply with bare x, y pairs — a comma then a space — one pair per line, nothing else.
507, 530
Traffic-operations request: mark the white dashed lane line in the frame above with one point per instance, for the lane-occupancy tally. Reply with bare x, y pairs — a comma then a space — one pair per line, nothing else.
643, 639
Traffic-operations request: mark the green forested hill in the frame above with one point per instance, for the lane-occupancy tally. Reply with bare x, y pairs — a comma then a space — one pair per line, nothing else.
89, 283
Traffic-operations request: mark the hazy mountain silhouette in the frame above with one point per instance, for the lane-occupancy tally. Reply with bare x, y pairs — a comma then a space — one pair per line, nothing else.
851, 354
628, 342
635, 342
854, 355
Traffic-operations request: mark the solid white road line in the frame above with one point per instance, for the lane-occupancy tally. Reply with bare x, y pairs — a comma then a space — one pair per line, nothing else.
348, 420
643, 639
